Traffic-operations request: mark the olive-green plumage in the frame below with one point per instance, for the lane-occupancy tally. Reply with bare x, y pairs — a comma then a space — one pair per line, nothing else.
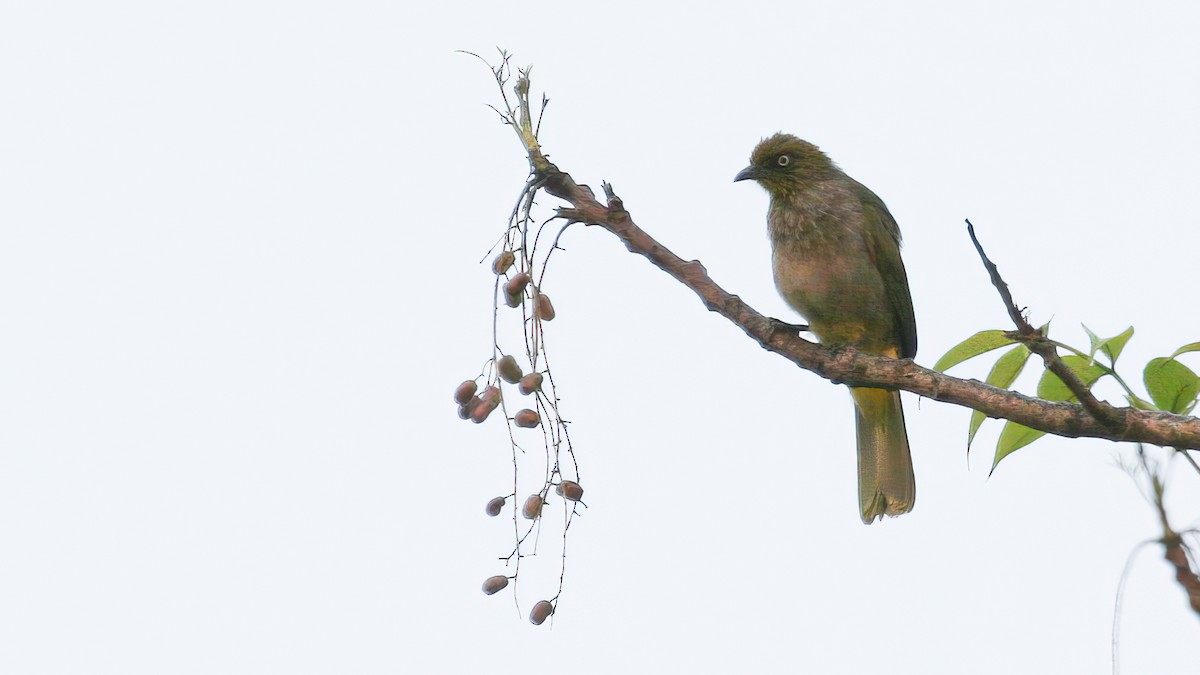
836, 257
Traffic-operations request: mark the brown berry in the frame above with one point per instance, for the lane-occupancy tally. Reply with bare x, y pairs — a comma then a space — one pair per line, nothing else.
465, 391
487, 403
569, 489
517, 284
495, 584
541, 611
480, 412
544, 308
530, 383
494, 505
527, 419
503, 262
509, 371
533, 507
465, 410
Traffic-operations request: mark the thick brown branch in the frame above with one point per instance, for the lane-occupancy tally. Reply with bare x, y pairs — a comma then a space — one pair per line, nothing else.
855, 368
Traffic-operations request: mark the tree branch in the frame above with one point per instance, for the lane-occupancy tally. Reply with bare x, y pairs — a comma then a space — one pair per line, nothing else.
1176, 550
847, 365
1037, 343
1089, 418
1176, 555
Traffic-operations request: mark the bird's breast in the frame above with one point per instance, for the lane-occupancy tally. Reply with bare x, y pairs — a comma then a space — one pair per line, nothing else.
836, 289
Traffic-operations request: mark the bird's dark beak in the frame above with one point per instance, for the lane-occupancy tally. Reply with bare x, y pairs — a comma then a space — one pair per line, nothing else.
748, 173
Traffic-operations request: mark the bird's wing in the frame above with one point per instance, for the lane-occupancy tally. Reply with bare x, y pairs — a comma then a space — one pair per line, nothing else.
883, 243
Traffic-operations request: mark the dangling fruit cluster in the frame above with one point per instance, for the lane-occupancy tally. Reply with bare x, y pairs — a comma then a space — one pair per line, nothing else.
477, 405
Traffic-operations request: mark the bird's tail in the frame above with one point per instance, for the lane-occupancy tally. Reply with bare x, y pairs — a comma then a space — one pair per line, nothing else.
885, 473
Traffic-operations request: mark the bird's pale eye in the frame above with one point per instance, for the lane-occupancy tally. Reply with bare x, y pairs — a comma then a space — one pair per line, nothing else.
784, 159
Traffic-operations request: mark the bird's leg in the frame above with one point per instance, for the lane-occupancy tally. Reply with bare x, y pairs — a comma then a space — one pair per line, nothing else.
791, 328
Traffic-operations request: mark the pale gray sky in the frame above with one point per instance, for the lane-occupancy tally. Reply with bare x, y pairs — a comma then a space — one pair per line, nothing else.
238, 282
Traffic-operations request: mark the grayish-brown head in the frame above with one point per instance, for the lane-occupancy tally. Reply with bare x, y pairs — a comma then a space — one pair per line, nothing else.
784, 164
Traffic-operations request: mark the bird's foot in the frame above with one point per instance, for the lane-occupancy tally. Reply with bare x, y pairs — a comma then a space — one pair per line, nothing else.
790, 328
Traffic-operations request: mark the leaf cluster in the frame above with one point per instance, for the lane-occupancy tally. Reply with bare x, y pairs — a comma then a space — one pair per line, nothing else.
1170, 385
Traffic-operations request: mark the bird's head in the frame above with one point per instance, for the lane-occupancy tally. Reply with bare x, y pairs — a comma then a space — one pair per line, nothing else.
783, 164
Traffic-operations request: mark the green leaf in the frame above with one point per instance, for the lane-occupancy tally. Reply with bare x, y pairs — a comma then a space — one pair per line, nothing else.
1014, 437
977, 419
1114, 345
1004, 372
1193, 347
1008, 367
1111, 346
979, 343
1051, 388
1094, 339
1173, 386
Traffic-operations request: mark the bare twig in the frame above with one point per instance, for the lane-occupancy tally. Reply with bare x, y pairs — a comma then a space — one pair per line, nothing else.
1118, 602
1176, 555
1189, 459
1176, 550
525, 260
1038, 344
1014, 312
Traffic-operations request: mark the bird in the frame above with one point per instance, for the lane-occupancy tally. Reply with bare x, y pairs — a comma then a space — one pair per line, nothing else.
835, 252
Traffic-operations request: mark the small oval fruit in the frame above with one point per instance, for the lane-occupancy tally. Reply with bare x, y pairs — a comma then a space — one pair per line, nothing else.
532, 507
494, 506
517, 284
544, 308
513, 300
465, 391
509, 371
569, 489
503, 262
486, 405
541, 611
465, 410
527, 419
495, 584
530, 383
